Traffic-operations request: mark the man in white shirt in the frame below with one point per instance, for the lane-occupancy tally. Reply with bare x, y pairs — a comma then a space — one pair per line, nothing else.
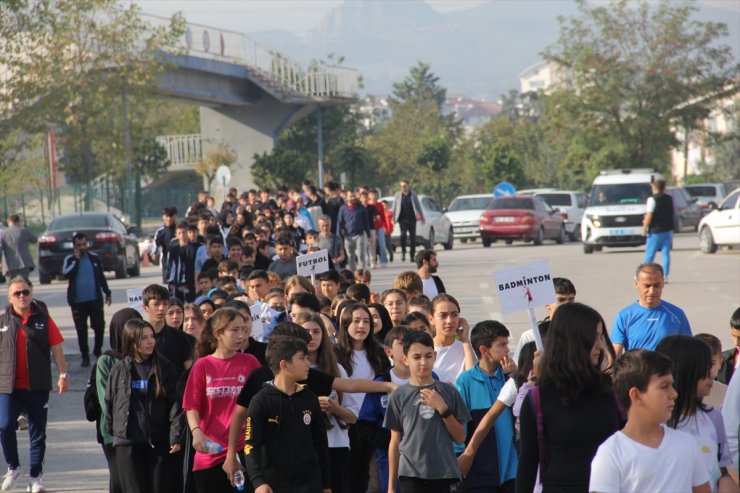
427, 264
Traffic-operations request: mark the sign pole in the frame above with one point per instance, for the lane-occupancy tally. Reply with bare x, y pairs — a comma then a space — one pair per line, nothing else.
535, 330
313, 279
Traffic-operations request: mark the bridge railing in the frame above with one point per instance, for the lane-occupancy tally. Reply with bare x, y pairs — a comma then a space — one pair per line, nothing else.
235, 47
182, 150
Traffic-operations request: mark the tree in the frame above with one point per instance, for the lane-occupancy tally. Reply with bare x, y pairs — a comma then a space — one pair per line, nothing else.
435, 157
75, 66
635, 70
219, 155
354, 160
421, 86
726, 148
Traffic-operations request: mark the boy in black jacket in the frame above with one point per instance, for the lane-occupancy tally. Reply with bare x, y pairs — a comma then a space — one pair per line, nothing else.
286, 446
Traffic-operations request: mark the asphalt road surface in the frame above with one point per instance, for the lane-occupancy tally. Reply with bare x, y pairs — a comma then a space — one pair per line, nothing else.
707, 287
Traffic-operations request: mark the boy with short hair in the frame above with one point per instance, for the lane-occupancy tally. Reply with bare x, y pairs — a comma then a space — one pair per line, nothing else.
285, 265
286, 446
330, 282
424, 415
493, 468
410, 283
215, 251
228, 268
204, 282
647, 455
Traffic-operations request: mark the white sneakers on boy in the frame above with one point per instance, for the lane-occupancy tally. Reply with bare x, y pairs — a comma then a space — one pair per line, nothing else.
35, 485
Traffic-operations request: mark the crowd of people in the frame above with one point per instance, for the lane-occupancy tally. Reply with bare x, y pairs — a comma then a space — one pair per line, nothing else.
241, 375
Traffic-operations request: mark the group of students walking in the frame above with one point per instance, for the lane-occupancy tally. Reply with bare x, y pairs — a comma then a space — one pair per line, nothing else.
315, 410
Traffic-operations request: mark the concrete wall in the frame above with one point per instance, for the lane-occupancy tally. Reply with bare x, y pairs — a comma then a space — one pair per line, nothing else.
248, 130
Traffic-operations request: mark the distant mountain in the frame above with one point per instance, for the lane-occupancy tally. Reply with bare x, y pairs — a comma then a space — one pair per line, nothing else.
477, 52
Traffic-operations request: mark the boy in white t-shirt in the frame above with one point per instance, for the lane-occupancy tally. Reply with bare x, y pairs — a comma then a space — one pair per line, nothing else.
646, 455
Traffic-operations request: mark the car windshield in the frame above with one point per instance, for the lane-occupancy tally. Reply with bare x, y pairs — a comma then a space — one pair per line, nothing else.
701, 191
555, 198
469, 204
512, 203
620, 194
78, 222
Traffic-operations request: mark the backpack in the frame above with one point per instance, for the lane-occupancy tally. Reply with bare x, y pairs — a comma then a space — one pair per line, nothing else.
93, 412
90, 400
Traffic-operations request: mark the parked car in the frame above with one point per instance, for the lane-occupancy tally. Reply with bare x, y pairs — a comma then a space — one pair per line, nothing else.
436, 228
521, 218
571, 205
706, 194
108, 237
687, 211
464, 213
722, 225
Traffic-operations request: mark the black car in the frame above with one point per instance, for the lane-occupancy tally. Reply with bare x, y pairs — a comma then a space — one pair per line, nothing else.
108, 237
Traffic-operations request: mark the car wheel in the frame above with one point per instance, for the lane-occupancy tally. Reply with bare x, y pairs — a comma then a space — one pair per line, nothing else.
44, 278
509, 242
576, 235
706, 241
121, 270
540, 237
588, 249
463, 240
486, 242
429, 244
450, 240
561, 236
135, 271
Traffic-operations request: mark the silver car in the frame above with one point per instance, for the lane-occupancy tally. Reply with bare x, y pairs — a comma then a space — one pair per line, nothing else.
436, 228
571, 204
464, 213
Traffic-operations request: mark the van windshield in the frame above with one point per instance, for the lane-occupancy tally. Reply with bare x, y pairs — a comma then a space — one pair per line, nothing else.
621, 194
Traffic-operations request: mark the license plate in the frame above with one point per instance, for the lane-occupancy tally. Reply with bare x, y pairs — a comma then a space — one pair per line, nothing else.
623, 232
504, 219
67, 245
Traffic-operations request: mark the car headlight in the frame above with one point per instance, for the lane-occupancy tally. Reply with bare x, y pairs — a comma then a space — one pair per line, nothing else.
595, 221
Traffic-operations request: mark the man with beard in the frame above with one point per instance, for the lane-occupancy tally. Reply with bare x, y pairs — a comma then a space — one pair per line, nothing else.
353, 225
427, 264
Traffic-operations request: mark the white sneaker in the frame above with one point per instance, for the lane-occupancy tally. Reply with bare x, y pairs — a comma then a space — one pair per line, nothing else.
22, 422
35, 485
10, 478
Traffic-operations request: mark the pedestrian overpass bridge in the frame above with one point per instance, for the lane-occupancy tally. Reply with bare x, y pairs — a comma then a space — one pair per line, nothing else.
247, 92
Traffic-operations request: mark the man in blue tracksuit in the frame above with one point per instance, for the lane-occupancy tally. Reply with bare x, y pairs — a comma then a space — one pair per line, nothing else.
85, 291
354, 226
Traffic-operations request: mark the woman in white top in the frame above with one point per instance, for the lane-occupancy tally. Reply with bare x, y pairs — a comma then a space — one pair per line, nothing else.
692, 364
362, 357
453, 355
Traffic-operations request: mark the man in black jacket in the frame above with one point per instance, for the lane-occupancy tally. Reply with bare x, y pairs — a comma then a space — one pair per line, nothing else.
85, 291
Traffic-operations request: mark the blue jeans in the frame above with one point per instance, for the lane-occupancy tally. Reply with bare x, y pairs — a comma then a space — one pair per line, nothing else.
381, 246
659, 241
36, 403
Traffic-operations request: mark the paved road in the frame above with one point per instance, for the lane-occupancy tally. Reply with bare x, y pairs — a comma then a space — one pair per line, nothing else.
707, 287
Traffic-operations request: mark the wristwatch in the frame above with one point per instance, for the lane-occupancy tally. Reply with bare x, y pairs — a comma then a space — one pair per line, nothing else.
63, 375
447, 413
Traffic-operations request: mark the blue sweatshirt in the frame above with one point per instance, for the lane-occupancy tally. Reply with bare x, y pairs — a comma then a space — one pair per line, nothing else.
353, 221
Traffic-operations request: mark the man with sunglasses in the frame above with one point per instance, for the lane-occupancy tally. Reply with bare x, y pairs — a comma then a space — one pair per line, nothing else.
85, 291
28, 339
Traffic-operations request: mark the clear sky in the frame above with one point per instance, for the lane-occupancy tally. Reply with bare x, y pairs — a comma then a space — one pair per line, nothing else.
295, 16
300, 16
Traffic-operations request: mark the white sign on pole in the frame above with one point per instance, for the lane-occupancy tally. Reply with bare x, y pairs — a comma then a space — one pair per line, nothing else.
135, 298
314, 263
526, 287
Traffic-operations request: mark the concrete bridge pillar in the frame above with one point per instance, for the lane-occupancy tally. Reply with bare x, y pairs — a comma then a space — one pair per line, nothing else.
248, 130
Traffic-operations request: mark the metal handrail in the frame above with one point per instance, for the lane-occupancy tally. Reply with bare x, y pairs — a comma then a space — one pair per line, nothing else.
222, 44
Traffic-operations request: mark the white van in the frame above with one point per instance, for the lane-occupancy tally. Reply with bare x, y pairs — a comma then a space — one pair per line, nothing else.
616, 209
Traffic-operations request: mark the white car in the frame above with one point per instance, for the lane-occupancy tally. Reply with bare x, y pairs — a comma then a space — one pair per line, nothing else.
464, 213
571, 204
436, 228
722, 225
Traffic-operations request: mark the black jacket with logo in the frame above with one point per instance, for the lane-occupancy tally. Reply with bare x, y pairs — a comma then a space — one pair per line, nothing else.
69, 269
164, 413
286, 444
37, 349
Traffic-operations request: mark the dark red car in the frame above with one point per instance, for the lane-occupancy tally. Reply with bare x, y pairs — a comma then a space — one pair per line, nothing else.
521, 218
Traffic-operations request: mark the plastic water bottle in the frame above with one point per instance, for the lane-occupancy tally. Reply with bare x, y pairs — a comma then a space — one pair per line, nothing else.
213, 447
239, 480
